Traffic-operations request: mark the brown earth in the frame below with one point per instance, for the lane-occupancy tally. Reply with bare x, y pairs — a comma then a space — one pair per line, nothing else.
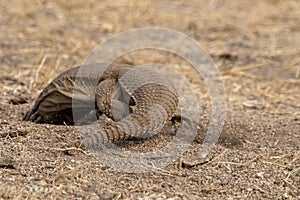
256, 46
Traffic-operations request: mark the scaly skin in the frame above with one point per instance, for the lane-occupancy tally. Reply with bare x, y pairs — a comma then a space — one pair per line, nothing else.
54, 104
135, 110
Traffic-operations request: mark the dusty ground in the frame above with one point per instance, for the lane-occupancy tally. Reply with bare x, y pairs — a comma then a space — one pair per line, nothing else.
256, 47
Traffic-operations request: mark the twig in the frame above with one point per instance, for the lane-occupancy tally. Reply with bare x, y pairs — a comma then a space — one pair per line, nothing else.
274, 163
33, 82
70, 149
292, 172
232, 163
65, 173
242, 68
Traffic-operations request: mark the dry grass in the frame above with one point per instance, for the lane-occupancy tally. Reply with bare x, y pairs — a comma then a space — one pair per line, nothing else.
254, 44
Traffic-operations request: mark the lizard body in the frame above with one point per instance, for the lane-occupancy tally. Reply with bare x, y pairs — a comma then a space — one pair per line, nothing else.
138, 101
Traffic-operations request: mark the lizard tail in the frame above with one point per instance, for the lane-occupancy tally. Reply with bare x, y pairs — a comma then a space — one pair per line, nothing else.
156, 102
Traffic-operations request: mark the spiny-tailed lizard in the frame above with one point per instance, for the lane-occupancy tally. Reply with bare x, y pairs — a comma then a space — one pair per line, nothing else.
117, 93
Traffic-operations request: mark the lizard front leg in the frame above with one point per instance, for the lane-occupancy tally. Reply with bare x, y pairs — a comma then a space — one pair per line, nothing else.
111, 100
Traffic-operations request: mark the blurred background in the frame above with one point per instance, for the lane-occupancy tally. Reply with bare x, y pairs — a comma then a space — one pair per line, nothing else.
42, 38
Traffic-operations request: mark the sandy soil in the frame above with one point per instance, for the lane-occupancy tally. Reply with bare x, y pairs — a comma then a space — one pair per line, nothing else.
256, 46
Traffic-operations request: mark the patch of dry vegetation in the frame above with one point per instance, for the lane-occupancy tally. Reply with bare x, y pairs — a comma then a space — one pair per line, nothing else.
254, 44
